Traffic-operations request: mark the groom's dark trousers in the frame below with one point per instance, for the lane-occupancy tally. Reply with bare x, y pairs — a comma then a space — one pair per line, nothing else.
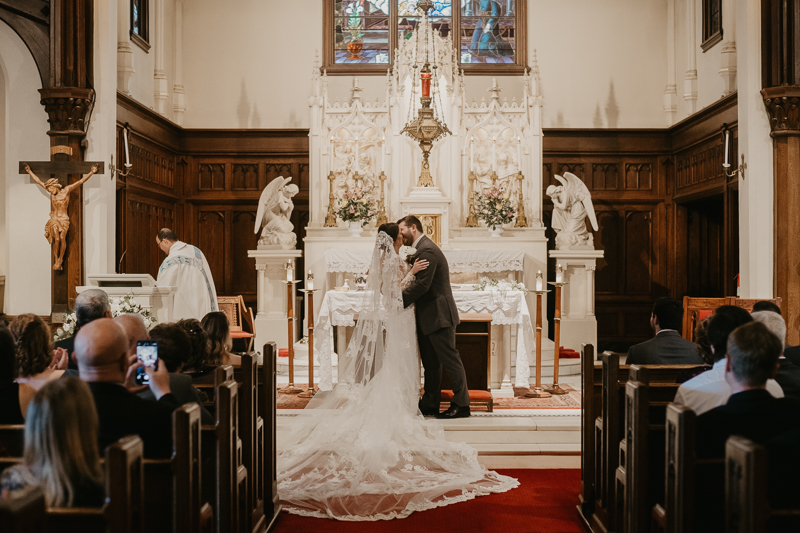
437, 318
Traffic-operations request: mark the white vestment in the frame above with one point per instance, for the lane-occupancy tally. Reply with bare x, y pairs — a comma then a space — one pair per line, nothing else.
187, 269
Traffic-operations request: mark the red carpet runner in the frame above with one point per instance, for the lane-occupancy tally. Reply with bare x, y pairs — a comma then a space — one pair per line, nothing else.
543, 503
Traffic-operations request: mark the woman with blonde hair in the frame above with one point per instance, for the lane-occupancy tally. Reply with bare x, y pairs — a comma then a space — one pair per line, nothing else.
37, 363
61, 454
219, 338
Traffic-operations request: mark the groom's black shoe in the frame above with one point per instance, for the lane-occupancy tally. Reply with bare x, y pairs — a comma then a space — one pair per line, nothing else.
427, 412
454, 412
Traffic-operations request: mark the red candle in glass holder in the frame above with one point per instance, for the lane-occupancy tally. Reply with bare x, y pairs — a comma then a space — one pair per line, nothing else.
426, 85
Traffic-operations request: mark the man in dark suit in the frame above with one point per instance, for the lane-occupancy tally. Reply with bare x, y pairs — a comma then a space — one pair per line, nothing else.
751, 412
90, 305
437, 318
788, 376
667, 347
102, 351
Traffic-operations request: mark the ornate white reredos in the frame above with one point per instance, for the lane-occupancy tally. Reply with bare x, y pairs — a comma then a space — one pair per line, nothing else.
365, 137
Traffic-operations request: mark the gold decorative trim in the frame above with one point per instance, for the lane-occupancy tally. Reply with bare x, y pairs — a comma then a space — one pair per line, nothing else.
432, 227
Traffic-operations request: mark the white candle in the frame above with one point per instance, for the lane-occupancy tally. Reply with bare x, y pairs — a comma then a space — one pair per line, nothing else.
289, 272
539, 281
310, 281
559, 274
471, 155
383, 155
727, 144
127, 150
519, 155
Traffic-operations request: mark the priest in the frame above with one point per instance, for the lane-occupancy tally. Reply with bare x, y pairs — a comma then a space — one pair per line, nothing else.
187, 269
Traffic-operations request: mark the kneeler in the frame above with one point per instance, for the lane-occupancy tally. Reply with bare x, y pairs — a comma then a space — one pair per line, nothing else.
477, 398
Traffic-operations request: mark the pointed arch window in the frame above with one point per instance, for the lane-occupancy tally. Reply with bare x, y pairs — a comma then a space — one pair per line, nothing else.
361, 36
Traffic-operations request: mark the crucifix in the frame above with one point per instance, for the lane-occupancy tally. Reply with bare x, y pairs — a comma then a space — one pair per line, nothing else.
63, 214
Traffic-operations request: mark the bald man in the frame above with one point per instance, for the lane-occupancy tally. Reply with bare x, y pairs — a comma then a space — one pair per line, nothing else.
101, 347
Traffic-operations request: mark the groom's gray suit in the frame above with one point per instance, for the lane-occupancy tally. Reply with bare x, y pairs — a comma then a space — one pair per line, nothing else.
437, 318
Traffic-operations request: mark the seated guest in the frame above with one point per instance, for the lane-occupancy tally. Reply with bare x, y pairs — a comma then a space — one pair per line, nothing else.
37, 363
174, 349
788, 376
219, 337
701, 339
667, 347
102, 351
199, 363
61, 454
90, 305
14, 397
709, 389
766, 305
751, 411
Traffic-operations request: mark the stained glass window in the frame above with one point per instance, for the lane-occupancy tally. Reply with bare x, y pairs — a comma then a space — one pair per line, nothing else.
139, 23
366, 33
712, 23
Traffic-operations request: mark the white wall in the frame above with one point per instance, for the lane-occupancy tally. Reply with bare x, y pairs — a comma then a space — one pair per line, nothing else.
26, 253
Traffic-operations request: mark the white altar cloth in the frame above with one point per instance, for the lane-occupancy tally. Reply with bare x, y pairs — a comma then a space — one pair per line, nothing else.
506, 307
357, 261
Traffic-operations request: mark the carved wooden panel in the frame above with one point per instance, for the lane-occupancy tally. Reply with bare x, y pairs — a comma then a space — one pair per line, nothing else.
638, 176
638, 252
211, 239
245, 176
152, 165
273, 170
608, 240
211, 176
576, 168
701, 164
605, 176
547, 175
145, 216
243, 238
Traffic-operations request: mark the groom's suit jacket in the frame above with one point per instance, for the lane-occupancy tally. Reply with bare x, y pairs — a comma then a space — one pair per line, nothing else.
431, 291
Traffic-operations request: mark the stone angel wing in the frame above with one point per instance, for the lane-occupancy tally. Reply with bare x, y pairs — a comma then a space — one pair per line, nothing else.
269, 199
575, 188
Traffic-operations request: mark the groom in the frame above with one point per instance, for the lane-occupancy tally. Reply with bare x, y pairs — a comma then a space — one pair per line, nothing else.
437, 318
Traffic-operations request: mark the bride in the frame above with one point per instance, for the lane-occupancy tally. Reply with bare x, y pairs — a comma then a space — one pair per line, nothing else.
363, 451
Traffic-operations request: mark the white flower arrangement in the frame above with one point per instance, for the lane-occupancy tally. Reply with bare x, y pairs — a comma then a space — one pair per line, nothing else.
119, 306
489, 284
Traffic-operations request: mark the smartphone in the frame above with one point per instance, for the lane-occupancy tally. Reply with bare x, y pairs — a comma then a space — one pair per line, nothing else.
147, 353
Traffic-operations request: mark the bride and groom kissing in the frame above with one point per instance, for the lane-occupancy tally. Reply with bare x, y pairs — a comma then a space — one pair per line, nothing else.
436, 320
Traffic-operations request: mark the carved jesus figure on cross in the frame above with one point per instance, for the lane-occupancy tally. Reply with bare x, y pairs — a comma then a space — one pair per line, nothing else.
57, 227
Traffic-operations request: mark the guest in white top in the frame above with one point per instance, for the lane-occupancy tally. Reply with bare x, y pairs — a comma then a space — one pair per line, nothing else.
187, 269
709, 389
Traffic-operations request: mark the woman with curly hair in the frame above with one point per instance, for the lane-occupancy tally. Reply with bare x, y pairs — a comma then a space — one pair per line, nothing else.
61, 454
14, 397
216, 326
199, 362
37, 363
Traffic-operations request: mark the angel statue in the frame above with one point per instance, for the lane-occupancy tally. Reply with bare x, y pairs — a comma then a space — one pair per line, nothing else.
274, 214
572, 204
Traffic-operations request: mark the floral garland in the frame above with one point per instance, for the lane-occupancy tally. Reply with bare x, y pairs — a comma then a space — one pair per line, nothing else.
119, 306
357, 207
500, 285
494, 207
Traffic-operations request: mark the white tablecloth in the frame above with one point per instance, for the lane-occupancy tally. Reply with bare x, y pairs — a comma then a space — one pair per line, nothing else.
506, 307
340, 260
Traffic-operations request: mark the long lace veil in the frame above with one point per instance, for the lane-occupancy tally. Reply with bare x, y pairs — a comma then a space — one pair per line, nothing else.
366, 351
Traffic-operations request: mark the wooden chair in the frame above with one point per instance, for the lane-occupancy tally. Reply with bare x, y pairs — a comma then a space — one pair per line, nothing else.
695, 310
236, 311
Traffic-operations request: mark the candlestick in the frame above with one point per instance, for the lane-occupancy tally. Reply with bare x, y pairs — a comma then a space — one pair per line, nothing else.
127, 149
725, 162
310, 281
312, 389
537, 391
290, 388
556, 388
330, 216
539, 282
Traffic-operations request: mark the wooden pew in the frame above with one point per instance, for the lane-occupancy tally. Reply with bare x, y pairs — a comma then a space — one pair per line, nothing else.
588, 416
747, 507
251, 432
631, 474
268, 410
676, 512
123, 512
604, 405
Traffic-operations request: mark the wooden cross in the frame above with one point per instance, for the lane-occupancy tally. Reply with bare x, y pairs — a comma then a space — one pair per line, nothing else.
65, 214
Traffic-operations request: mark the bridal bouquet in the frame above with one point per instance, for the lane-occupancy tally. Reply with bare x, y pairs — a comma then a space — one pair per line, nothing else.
355, 206
119, 306
494, 207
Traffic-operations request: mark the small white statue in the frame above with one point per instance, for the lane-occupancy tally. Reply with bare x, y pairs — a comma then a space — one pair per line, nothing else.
274, 214
572, 204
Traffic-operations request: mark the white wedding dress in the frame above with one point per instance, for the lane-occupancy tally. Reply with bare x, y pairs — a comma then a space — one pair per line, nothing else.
363, 451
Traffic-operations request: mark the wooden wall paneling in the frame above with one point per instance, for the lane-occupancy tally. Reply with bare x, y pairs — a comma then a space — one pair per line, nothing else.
638, 252
211, 239
608, 276
243, 238
145, 216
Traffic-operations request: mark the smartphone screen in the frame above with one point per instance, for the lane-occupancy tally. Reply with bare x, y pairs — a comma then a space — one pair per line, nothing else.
147, 353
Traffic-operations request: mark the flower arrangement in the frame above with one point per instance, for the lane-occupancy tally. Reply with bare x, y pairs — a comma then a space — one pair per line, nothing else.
500, 285
119, 306
355, 206
494, 207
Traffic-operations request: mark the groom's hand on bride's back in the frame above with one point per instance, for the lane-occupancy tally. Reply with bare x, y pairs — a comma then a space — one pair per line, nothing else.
419, 264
